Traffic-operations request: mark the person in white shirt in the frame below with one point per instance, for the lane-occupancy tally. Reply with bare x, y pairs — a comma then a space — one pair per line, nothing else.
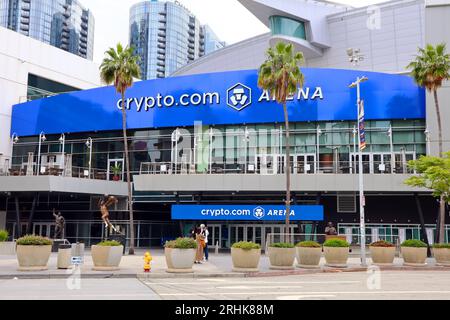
204, 231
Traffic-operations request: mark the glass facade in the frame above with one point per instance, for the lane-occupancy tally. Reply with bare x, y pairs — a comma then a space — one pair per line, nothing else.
65, 24
167, 36
287, 27
39, 87
316, 147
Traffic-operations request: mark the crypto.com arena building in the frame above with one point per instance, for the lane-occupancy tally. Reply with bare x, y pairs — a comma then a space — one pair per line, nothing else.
207, 144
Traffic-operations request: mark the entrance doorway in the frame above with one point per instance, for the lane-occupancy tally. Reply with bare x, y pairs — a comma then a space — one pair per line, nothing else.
256, 233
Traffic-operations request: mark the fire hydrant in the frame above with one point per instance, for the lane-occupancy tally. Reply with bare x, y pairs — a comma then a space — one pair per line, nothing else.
147, 260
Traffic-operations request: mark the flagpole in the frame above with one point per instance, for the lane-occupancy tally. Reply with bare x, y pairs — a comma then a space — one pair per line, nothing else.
361, 145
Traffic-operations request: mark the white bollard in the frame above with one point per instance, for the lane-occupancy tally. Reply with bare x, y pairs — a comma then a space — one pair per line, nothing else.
217, 248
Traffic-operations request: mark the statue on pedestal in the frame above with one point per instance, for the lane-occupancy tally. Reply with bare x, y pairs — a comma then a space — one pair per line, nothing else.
330, 230
59, 224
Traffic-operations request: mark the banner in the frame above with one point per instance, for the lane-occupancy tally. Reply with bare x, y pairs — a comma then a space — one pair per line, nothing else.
362, 130
247, 212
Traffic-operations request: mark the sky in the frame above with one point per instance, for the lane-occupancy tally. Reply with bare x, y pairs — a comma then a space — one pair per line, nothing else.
228, 18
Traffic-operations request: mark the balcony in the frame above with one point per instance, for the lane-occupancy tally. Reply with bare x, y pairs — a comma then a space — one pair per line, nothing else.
166, 176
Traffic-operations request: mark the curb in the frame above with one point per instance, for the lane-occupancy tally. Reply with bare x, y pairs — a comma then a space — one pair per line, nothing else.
163, 275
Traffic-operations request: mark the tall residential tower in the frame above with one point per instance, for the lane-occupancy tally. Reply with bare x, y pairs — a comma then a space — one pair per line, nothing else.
168, 36
64, 24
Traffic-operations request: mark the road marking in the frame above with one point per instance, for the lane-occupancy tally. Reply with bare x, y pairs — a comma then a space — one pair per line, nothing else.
306, 297
259, 287
314, 293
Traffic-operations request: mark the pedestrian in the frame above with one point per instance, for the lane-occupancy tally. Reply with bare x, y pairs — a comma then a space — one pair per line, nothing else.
205, 234
200, 245
193, 231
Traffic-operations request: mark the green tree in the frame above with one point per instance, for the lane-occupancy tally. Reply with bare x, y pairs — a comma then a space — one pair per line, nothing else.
281, 76
433, 174
429, 69
120, 67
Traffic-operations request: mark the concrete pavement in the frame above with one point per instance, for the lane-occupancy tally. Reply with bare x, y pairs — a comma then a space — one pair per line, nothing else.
219, 265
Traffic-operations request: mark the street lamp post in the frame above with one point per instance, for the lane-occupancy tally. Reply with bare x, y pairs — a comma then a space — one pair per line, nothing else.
391, 146
318, 134
246, 141
428, 140
356, 85
42, 138
62, 140
89, 145
14, 140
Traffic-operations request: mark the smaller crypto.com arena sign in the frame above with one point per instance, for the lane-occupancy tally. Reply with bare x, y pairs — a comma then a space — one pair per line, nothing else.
220, 98
247, 212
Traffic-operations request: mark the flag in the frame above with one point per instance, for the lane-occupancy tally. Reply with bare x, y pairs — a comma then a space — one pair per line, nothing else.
362, 131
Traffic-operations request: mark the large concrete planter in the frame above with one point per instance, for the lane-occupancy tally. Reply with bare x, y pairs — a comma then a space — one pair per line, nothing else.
281, 258
442, 256
382, 255
106, 258
180, 260
415, 257
308, 257
245, 260
33, 258
336, 256
7, 248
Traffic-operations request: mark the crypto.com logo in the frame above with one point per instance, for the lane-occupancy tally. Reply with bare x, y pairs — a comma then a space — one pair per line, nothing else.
239, 96
259, 213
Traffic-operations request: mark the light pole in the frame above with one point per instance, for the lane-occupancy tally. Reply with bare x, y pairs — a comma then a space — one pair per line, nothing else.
360, 115
319, 133
391, 146
355, 131
62, 140
428, 140
246, 141
42, 138
89, 145
14, 140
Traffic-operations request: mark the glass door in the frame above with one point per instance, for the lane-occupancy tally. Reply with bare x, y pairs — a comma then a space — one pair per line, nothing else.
381, 163
366, 159
304, 163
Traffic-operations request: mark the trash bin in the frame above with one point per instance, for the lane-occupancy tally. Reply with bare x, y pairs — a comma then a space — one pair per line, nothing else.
64, 256
119, 238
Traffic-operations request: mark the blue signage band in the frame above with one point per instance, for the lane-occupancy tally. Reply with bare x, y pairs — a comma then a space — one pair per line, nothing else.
247, 212
225, 98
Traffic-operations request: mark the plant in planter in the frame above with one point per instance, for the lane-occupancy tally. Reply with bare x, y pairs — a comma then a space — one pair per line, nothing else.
281, 256
33, 253
106, 255
116, 170
180, 255
382, 252
414, 252
6, 247
245, 256
336, 252
308, 254
441, 252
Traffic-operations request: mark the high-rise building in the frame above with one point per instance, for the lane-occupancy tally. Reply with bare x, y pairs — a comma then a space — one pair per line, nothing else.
65, 24
168, 36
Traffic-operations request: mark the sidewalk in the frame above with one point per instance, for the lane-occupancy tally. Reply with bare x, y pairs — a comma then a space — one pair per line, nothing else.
219, 265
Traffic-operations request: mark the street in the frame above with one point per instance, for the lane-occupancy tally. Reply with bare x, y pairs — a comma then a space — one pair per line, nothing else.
409, 285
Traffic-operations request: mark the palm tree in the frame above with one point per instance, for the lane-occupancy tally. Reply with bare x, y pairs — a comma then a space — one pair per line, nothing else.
280, 75
120, 67
429, 69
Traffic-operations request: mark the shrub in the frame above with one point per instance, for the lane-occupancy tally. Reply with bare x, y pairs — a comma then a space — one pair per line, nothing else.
32, 240
246, 245
441, 245
337, 243
4, 235
181, 243
109, 243
308, 244
282, 245
382, 243
414, 243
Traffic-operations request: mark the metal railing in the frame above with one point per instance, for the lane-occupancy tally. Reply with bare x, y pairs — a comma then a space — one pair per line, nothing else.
56, 170
322, 167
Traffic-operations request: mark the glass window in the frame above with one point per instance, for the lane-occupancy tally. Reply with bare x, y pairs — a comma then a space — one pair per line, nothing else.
288, 27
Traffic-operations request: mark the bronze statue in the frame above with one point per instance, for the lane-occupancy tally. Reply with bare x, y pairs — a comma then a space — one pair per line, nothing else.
330, 230
103, 204
59, 224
